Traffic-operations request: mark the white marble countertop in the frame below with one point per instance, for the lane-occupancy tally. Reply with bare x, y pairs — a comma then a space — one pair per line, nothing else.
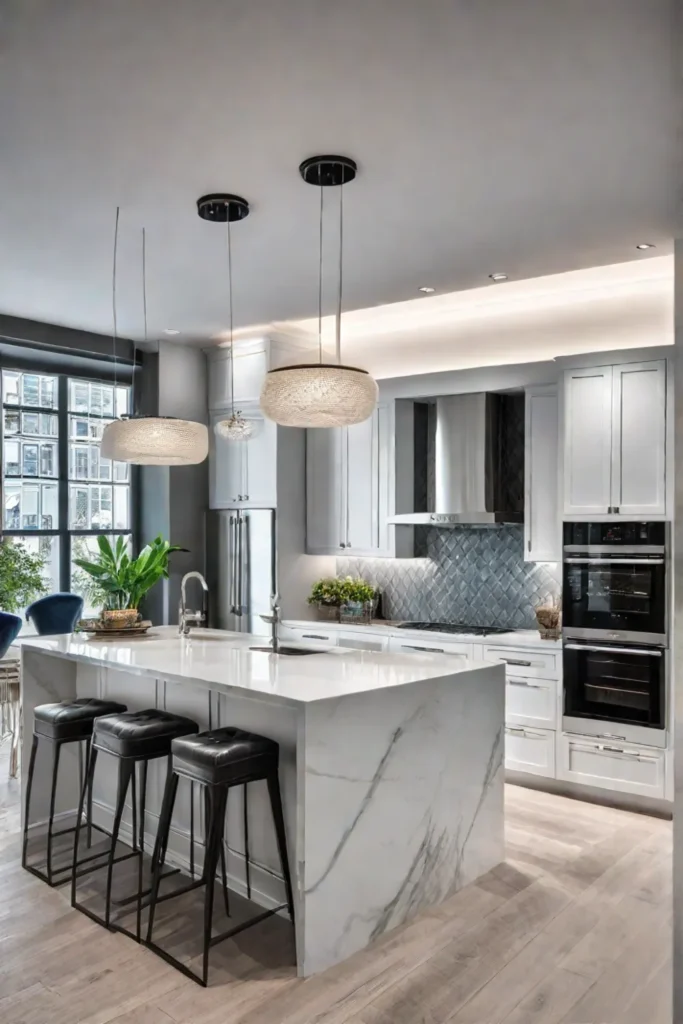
527, 638
223, 659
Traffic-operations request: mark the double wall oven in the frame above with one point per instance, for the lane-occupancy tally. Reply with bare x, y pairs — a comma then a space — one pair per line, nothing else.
615, 629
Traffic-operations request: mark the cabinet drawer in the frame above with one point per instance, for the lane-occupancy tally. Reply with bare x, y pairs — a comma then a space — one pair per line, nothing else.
530, 701
414, 645
359, 641
301, 635
530, 750
527, 664
623, 768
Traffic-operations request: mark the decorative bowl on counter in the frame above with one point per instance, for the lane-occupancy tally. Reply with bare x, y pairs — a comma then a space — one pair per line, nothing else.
109, 630
120, 618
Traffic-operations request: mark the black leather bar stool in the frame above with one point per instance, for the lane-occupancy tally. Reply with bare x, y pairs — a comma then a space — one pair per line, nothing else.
218, 760
67, 721
132, 737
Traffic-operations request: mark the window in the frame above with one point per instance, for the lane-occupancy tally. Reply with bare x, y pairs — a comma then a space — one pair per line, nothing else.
53, 509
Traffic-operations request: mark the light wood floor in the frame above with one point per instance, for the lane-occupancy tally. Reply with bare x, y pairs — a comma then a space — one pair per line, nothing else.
575, 928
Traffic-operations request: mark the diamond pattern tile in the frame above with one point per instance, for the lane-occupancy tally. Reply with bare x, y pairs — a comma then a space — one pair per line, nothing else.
475, 576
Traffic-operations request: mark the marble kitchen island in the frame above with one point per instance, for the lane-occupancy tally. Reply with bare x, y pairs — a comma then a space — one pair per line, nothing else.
391, 768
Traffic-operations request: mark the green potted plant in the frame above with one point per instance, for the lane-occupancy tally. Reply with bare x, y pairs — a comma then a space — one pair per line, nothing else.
335, 596
22, 577
123, 581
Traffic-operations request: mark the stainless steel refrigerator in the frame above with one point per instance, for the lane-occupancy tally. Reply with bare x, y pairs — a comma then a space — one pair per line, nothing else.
240, 568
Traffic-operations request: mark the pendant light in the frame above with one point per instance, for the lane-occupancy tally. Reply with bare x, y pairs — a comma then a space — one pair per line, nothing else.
226, 208
322, 394
150, 440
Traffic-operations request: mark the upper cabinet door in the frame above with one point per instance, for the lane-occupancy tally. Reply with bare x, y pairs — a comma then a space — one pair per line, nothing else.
259, 486
325, 464
226, 472
639, 439
587, 441
542, 541
251, 367
361, 480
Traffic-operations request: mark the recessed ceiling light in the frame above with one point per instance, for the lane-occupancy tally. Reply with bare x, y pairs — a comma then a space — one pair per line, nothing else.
427, 289
170, 330
646, 245
498, 277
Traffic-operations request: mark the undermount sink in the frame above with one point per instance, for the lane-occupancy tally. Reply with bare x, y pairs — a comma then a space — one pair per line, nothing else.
287, 650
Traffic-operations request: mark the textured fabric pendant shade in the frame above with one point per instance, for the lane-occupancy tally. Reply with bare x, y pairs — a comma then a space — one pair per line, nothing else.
150, 440
322, 394
318, 395
155, 441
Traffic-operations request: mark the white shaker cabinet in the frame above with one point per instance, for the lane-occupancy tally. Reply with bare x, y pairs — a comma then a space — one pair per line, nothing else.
615, 440
639, 438
243, 473
251, 363
541, 508
588, 441
349, 476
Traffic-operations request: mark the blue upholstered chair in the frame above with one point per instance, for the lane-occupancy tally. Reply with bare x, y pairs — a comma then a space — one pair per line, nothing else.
56, 613
9, 630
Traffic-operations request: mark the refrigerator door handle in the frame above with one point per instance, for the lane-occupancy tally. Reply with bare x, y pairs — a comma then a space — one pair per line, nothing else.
240, 564
233, 564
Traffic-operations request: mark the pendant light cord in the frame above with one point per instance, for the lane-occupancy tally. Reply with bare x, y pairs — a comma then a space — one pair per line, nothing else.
113, 290
320, 274
232, 358
144, 317
341, 271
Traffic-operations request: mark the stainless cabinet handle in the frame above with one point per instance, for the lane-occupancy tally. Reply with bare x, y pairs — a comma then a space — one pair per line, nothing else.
613, 650
602, 750
529, 686
413, 647
233, 573
523, 732
514, 661
240, 563
313, 636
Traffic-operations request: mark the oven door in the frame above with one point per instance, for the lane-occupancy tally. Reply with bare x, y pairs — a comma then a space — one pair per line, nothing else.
615, 598
617, 684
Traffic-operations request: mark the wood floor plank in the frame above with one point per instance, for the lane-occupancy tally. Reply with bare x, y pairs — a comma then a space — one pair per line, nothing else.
573, 928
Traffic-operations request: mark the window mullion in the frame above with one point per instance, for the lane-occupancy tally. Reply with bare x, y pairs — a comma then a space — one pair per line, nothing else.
63, 494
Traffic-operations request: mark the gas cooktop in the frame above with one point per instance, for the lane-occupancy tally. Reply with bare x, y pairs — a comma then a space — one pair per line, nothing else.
455, 627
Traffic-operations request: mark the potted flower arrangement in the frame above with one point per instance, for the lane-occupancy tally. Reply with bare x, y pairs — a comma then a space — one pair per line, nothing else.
338, 598
123, 581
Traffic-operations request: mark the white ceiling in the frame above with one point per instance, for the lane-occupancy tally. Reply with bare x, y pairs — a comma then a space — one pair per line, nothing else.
529, 136
627, 305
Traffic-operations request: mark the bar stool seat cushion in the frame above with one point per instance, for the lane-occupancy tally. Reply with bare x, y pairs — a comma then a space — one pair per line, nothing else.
223, 756
71, 719
141, 733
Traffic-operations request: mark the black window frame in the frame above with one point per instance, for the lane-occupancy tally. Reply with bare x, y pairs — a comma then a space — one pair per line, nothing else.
64, 532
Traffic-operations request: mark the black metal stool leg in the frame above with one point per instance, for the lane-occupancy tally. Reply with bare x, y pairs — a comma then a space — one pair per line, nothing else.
217, 800
160, 845
56, 748
278, 818
87, 789
27, 802
126, 768
88, 777
247, 865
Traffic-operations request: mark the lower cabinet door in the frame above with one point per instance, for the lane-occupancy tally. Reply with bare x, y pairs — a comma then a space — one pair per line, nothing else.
620, 767
530, 702
359, 641
530, 750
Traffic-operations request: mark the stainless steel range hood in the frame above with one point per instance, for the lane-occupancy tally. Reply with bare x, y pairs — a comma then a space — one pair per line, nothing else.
472, 468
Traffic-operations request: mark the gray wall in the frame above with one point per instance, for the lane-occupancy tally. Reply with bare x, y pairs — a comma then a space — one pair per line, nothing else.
473, 576
174, 499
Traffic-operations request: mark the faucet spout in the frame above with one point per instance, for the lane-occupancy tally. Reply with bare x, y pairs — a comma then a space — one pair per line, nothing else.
187, 618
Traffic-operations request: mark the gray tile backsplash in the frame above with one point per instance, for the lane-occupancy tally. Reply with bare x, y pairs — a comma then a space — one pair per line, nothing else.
473, 576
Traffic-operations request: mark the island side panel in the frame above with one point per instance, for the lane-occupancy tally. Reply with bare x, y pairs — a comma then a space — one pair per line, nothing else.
402, 791
46, 680
210, 709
